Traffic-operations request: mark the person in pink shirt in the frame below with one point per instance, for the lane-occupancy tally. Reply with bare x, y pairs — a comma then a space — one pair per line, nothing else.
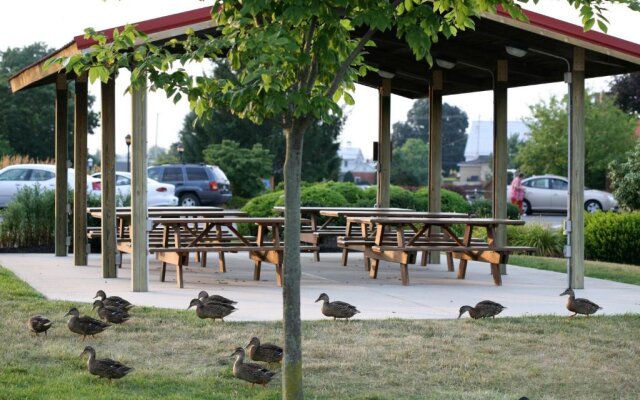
517, 191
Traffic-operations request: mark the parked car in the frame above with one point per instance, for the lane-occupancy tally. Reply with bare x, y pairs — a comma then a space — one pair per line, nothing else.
196, 184
158, 194
550, 193
16, 177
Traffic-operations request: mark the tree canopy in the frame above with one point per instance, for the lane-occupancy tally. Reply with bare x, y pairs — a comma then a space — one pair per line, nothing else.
625, 179
410, 164
608, 136
626, 89
454, 126
27, 118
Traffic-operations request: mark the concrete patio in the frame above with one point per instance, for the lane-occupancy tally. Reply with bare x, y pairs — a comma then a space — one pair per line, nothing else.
434, 292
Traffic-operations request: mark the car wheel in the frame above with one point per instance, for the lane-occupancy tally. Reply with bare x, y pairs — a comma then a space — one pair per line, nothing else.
189, 200
526, 207
592, 206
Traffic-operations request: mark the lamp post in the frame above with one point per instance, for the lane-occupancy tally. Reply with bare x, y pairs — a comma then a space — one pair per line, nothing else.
180, 149
127, 139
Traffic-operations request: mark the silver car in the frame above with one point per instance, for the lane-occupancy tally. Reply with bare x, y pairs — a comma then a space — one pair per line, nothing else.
550, 193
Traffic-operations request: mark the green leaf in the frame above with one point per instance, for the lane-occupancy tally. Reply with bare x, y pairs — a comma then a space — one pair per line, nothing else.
603, 26
348, 99
408, 5
589, 24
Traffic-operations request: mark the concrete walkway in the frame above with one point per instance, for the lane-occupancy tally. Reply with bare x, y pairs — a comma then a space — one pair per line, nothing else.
433, 293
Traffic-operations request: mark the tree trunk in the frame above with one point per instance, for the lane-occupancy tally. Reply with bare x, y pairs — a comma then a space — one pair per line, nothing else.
292, 366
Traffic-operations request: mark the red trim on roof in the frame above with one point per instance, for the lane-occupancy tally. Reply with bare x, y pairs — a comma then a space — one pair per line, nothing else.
576, 31
160, 24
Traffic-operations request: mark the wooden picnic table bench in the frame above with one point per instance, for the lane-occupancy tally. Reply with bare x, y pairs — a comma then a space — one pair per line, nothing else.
314, 233
182, 236
392, 243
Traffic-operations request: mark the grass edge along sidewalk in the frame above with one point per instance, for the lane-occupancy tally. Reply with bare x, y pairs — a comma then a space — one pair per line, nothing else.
622, 273
178, 356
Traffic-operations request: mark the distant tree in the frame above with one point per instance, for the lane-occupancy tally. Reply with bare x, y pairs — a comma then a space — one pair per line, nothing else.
625, 180
320, 148
454, 126
348, 177
608, 130
410, 164
27, 117
626, 89
245, 167
513, 147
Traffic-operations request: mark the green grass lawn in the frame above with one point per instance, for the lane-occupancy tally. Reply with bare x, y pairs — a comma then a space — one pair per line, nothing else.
593, 269
178, 356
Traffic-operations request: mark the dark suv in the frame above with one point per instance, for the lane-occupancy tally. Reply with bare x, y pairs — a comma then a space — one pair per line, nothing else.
195, 184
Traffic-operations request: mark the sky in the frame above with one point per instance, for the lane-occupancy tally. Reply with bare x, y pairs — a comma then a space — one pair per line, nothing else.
56, 23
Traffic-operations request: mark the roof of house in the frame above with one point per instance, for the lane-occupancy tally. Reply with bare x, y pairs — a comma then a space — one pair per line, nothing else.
480, 137
476, 161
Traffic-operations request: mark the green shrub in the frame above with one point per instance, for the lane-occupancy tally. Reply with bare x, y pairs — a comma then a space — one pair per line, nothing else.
29, 220
613, 237
349, 190
318, 196
548, 242
236, 202
482, 208
454, 202
513, 212
421, 199
400, 198
262, 206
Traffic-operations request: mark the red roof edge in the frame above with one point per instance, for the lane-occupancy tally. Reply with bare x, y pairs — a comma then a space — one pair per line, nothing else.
156, 24
576, 31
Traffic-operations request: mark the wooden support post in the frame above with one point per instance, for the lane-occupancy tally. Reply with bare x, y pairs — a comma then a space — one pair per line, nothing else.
435, 152
500, 153
384, 144
139, 215
576, 170
61, 205
80, 166
108, 175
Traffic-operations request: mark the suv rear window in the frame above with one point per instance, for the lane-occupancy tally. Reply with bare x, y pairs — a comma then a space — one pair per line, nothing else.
217, 172
197, 174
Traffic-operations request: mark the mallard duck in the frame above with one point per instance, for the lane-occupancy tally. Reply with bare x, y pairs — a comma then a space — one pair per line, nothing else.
110, 314
205, 298
484, 309
38, 324
250, 372
336, 309
579, 306
113, 301
266, 352
106, 367
211, 310
84, 325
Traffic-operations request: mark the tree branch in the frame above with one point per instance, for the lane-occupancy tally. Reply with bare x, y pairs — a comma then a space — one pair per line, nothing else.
347, 62
308, 38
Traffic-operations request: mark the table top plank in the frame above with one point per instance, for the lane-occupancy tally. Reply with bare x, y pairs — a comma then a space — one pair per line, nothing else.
437, 221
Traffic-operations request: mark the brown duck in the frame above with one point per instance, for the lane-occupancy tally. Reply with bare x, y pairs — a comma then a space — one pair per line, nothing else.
250, 372
266, 352
111, 314
211, 310
84, 325
106, 367
336, 309
579, 306
216, 298
113, 301
38, 324
484, 309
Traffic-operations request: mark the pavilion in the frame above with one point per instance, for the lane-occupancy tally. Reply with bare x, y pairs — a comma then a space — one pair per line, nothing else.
501, 53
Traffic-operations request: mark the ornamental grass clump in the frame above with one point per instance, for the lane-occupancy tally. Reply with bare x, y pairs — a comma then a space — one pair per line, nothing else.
28, 220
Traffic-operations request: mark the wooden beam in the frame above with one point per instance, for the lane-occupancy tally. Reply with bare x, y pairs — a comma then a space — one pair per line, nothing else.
36, 74
80, 166
435, 151
139, 216
500, 153
576, 170
108, 175
384, 144
61, 166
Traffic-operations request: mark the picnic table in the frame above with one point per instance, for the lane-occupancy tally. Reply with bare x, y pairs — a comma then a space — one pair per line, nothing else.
182, 236
313, 232
392, 243
366, 228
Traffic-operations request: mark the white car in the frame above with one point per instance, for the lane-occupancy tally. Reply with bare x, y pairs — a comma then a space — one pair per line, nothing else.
16, 177
158, 194
550, 193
